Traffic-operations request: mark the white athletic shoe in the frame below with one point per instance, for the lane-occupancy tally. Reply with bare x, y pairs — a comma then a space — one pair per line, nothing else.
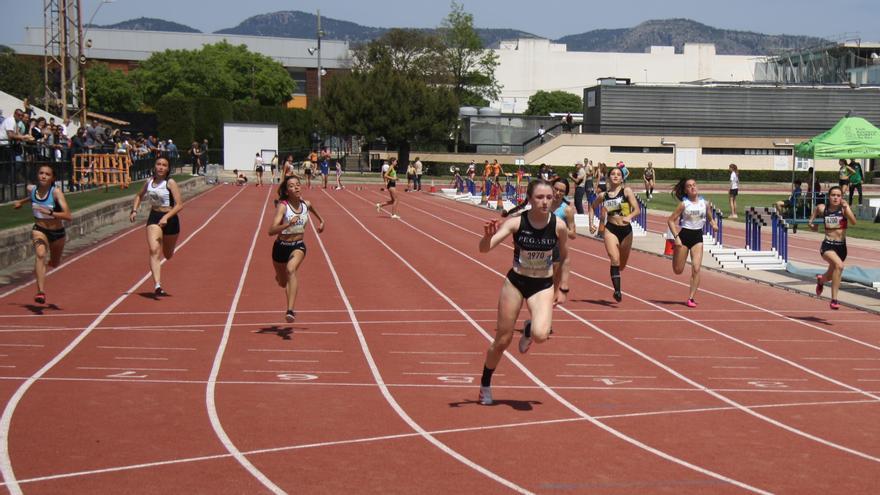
486, 396
397, 217
378, 208
525, 342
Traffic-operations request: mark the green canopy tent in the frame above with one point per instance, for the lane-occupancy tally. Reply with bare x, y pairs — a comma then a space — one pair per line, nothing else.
851, 137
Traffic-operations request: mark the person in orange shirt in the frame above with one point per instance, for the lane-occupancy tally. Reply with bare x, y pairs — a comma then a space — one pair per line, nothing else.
496, 170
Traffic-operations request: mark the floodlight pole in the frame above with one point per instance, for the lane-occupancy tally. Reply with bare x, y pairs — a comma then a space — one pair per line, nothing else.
320, 35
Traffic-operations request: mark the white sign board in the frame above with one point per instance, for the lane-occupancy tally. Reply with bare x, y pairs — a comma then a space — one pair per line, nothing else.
686, 157
243, 142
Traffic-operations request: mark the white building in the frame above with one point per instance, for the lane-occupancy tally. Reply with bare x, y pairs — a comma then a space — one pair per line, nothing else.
529, 65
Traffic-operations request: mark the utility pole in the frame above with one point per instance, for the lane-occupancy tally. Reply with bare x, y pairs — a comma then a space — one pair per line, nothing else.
64, 59
320, 35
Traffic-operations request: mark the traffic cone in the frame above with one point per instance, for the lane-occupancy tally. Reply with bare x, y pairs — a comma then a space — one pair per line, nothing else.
432, 186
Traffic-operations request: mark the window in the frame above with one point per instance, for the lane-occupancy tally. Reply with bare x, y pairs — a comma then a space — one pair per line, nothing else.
641, 149
748, 151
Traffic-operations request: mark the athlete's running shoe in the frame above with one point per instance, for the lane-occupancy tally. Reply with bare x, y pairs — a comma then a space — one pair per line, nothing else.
40, 298
378, 208
618, 296
820, 284
290, 316
396, 217
160, 291
526, 340
691, 303
835, 304
485, 396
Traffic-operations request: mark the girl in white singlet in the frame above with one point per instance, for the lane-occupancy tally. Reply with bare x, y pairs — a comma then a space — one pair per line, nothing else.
289, 250
48, 235
163, 225
686, 224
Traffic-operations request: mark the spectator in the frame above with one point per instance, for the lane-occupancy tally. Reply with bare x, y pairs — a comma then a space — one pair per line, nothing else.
419, 170
541, 132
205, 156
855, 180
579, 177
195, 157
171, 150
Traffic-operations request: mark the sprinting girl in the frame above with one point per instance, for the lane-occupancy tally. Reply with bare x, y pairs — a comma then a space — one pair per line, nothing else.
289, 250
620, 207
686, 224
48, 235
531, 279
339, 185
163, 225
390, 177
649, 181
837, 216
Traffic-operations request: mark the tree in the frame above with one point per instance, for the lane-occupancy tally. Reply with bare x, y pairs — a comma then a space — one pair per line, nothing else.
411, 51
19, 77
111, 90
220, 70
472, 68
546, 102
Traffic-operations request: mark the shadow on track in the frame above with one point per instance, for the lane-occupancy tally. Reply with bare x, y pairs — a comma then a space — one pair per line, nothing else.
518, 405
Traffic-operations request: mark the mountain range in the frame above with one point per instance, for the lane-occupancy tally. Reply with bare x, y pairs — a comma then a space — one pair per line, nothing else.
638, 39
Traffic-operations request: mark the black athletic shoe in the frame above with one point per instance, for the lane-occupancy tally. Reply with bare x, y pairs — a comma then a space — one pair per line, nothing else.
160, 292
290, 316
618, 296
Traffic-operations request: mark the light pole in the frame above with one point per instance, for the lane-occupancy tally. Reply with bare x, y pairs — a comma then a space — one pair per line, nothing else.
320, 35
84, 115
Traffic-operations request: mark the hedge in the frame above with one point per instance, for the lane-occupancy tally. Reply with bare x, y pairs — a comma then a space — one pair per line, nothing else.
176, 117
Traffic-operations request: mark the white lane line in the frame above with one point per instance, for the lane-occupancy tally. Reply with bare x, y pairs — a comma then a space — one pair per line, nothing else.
758, 379
377, 376
868, 380
736, 367
547, 389
674, 339
446, 373
713, 357
555, 336
292, 360
7, 366
211, 389
416, 334
866, 369
841, 359
607, 376
442, 362
294, 350
299, 371
583, 354
136, 348
593, 365
128, 369
675, 373
383, 438
22, 345
9, 410
435, 352
142, 358
79, 256
797, 340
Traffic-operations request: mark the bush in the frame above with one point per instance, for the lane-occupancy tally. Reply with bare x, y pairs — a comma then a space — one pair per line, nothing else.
176, 117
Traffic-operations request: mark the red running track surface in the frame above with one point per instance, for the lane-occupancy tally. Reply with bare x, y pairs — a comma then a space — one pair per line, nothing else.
373, 389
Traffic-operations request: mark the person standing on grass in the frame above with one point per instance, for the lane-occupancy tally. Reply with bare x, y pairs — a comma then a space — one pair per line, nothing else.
390, 177
619, 206
837, 216
686, 224
649, 181
536, 235
579, 176
855, 180
289, 250
734, 189
843, 175
48, 235
163, 225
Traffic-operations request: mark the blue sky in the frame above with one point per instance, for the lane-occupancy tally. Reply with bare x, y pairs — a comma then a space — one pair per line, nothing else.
843, 19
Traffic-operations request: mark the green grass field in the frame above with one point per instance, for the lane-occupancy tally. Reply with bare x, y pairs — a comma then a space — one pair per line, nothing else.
863, 229
10, 217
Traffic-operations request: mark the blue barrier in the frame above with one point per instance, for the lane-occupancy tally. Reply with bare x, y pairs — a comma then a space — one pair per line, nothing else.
510, 191
779, 237
472, 187
642, 218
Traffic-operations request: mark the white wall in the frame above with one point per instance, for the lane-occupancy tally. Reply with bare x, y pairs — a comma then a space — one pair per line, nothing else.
242, 142
528, 65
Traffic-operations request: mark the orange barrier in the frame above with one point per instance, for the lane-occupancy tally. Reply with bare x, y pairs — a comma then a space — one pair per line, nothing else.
110, 169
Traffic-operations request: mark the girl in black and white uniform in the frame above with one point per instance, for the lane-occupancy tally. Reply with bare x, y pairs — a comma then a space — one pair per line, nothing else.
163, 225
536, 234
48, 234
289, 250
686, 224
620, 205
837, 216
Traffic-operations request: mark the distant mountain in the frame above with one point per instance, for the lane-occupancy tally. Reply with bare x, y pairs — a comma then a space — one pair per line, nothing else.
677, 32
668, 32
150, 24
296, 24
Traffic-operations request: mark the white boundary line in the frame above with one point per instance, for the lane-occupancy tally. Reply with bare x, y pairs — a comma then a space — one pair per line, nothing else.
9, 409
83, 254
675, 373
382, 438
211, 389
547, 389
386, 393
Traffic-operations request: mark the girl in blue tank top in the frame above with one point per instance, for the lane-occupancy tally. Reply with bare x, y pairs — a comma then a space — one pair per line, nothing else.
48, 234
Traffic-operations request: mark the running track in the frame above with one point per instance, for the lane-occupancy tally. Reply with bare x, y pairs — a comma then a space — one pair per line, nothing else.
373, 389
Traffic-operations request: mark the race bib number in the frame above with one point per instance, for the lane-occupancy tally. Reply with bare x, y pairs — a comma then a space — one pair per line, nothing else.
536, 260
612, 204
832, 222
